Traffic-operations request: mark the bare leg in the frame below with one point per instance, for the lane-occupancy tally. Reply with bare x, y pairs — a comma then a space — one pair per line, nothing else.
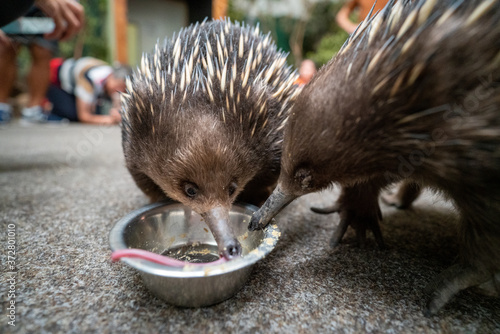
358, 207
8, 68
39, 75
407, 193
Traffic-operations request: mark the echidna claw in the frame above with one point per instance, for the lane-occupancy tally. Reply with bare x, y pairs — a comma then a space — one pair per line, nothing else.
324, 211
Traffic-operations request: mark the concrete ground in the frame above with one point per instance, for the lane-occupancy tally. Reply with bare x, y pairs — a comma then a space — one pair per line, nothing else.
63, 188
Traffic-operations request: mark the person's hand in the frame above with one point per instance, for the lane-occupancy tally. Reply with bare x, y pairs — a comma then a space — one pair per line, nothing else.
68, 16
4, 39
105, 120
115, 115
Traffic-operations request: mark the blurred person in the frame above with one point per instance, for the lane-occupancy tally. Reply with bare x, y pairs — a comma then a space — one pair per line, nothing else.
68, 20
41, 51
362, 7
307, 70
79, 89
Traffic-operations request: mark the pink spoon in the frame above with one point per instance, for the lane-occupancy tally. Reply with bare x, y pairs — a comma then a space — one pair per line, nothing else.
157, 258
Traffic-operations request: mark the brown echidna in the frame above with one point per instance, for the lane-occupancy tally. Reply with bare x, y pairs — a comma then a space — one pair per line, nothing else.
203, 121
413, 95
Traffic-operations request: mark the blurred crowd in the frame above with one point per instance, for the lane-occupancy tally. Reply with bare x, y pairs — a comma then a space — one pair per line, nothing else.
59, 90
85, 89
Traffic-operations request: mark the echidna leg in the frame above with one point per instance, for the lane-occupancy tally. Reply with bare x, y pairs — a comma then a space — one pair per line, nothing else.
454, 279
339, 233
404, 197
148, 186
358, 207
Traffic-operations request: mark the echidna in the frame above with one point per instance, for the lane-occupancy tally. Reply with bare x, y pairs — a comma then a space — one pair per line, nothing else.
413, 95
203, 121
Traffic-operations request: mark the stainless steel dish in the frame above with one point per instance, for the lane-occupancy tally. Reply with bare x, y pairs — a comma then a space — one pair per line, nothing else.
173, 229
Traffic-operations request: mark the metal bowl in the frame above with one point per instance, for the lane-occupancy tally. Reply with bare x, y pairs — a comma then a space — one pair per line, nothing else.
173, 229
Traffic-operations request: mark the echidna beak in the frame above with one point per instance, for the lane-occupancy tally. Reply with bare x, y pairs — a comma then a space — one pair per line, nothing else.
273, 205
217, 220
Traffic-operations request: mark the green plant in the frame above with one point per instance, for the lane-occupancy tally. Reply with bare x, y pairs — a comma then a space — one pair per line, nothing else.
92, 40
328, 46
234, 13
322, 37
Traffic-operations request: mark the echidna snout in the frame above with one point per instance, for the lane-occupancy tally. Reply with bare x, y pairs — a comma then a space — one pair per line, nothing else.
217, 220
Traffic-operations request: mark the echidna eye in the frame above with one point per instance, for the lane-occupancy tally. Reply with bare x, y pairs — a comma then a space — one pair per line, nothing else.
190, 189
232, 188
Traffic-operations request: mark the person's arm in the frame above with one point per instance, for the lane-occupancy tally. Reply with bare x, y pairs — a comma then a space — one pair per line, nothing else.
342, 17
85, 115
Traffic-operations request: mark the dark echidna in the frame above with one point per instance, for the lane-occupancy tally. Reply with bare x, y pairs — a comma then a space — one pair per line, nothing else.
203, 121
413, 95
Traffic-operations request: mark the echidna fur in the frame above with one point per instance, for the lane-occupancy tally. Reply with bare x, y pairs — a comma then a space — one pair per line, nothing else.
413, 95
207, 110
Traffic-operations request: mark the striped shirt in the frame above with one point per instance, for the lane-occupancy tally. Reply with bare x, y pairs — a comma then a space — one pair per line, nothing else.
84, 78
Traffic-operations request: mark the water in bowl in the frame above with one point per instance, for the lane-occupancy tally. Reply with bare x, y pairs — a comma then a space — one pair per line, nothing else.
194, 253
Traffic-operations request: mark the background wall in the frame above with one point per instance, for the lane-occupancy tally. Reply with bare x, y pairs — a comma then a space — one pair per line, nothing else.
150, 20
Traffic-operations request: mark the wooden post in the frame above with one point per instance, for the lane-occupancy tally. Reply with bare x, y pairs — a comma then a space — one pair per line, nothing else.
121, 22
219, 9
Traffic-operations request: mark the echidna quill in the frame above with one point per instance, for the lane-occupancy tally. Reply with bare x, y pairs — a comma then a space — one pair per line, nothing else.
203, 121
413, 95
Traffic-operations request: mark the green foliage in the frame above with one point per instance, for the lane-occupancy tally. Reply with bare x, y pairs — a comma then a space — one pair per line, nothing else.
95, 42
321, 23
328, 46
234, 13
23, 62
322, 37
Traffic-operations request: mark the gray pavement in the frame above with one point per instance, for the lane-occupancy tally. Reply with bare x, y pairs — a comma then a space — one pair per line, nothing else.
63, 188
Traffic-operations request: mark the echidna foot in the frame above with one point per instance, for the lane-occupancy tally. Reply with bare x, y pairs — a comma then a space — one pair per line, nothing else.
404, 197
359, 217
